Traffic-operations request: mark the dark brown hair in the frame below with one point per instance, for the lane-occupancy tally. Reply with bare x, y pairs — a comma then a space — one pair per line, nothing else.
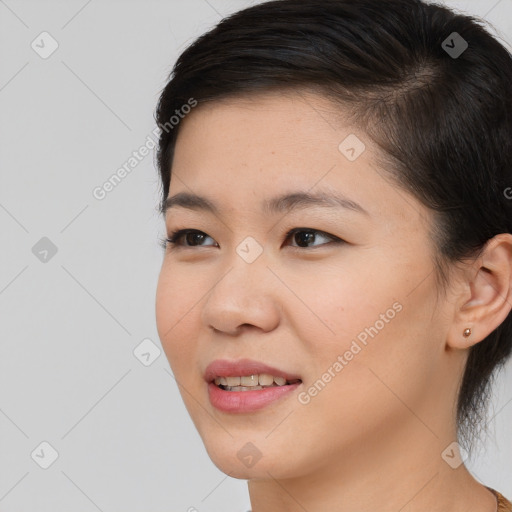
442, 120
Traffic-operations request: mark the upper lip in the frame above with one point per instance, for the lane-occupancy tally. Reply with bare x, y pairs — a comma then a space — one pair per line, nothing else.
243, 367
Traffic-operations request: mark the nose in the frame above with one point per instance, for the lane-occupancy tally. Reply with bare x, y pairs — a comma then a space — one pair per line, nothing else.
247, 295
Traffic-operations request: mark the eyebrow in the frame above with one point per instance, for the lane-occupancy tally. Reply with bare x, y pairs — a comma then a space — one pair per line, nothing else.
280, 204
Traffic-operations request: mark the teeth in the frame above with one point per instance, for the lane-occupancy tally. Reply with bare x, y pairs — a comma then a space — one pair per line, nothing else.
233, 381
244, 388
265, 379
250, 382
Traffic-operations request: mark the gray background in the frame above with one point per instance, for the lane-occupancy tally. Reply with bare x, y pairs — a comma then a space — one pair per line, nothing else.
70, 323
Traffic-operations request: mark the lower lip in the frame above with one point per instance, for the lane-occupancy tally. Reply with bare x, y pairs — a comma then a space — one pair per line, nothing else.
247, 401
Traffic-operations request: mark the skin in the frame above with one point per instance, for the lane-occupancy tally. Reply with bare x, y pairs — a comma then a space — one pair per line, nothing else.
373, 438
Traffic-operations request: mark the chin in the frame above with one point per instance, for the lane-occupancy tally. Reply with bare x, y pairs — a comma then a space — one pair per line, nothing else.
240, 458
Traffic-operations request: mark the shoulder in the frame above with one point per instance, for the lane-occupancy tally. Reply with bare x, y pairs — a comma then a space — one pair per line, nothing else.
504, 505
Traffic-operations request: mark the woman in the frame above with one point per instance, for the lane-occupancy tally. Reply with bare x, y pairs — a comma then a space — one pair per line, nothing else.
335, 292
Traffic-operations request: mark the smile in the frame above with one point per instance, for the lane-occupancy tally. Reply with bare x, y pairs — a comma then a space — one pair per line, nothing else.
252, 382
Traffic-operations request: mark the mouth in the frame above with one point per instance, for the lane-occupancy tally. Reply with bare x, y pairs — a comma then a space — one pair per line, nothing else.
244, 385
252, 382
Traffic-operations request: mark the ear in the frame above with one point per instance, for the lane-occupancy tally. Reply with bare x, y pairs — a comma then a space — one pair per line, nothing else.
488, 285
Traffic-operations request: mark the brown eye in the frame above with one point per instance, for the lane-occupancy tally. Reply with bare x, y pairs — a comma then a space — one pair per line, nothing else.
305, 236
192, 237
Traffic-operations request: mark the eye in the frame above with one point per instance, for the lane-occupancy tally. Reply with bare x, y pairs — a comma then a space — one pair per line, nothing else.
308, 236
194, 238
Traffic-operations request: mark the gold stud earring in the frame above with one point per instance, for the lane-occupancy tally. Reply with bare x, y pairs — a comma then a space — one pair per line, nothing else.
467, 332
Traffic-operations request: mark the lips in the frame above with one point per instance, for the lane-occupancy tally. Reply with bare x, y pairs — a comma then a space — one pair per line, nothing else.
242, 399
244, 367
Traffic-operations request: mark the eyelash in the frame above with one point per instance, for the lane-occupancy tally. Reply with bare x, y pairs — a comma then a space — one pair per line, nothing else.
175, 236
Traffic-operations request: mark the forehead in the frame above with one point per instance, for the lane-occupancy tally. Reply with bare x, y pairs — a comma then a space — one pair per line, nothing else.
246, 151
274, 136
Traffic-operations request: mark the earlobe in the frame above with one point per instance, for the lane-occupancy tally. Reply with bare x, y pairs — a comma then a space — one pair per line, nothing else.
490, 301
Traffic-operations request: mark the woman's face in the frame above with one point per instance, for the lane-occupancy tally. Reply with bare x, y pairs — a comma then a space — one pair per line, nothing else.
348, 304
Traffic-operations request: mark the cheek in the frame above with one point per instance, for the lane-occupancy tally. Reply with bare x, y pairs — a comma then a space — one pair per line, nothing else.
176, 318
337, 306
357, 392
364, 326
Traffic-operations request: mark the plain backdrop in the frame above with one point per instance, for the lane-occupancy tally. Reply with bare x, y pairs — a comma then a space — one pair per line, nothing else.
78, 274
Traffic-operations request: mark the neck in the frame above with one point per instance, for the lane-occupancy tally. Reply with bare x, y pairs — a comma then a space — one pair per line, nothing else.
402, 473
